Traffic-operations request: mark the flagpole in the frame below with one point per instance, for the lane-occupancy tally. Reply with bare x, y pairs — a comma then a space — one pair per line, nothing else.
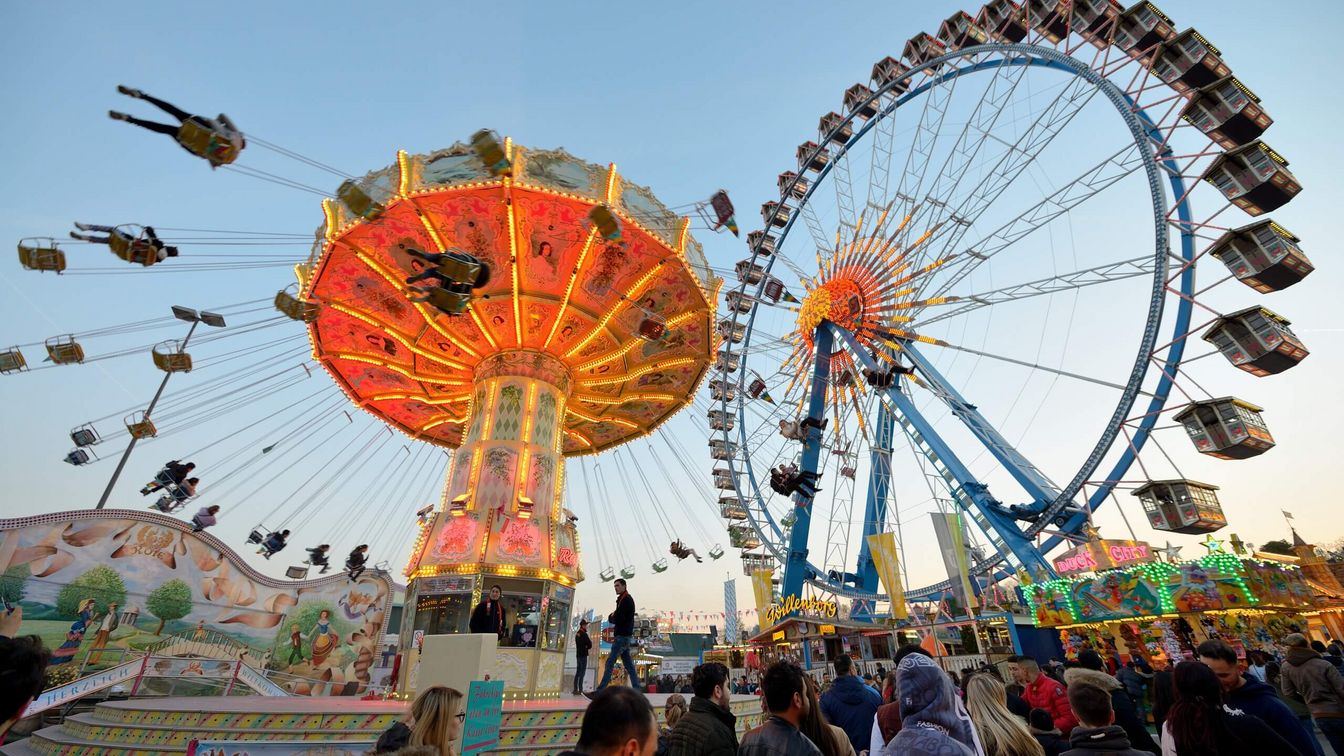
1288, 518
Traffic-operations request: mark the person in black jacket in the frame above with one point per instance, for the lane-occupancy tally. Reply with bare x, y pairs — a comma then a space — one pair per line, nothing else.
354, 564
488, 616
1250, 696
582, 646
623, 627
1198, 723
1091, 671
709, 729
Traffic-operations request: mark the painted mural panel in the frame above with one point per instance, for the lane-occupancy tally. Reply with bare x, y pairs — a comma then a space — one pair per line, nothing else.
98, 586
1116, 595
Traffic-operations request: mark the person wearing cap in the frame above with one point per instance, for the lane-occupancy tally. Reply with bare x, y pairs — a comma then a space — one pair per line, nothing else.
583, 645
1311, 679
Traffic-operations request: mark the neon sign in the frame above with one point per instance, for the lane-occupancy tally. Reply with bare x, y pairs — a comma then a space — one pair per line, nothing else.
791, 604
1099, 555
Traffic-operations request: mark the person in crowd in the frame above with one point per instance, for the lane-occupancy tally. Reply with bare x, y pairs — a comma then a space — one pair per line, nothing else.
23, 665
1199, 725
1164, 693
1329, 653
674, 708
1043, 692
871, 682
1274, 679
356, 561
1001, 733
205, 518
488, 616
619, 722
274, 542
829, 739
1042, 727
317, 557
933, 720
1091, 669
217, 140
1252, 696
681, 551
1313, 680
623, 628
709, 727
785, 698
173, 471
1135, 676
850, 704
583, 646
887, 721
1255, 665
889, 687
434, 719
1016, 703
1096, 732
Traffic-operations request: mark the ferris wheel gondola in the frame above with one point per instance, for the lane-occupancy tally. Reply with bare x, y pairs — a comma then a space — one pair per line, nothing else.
896, 275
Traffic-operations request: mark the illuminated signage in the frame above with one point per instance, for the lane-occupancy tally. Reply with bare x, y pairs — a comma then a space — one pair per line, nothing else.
791, 604
1095, 556
777, 636
826, 630
566, 556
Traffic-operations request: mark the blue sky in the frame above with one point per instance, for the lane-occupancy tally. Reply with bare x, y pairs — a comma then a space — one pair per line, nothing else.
685, 98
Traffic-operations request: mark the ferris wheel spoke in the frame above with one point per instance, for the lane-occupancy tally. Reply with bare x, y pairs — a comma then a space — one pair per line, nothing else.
1116, 271
879, 171
936, 101
844, 195
1089, 184
1015, 160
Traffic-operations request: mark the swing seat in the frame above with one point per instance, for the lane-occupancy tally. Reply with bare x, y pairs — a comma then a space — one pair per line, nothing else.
140, 426
294, 308
296, 572
607, 574
449, 302
206, 142
358, 201
628, 571
169, 357
459, 267
652, 328
12, 361
257, 535
716, 552
42, 254
660, 565
64, 350
605, 222
490, 150
84, 435
77, 457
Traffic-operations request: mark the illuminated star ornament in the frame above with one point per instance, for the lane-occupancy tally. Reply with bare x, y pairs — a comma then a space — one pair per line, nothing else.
867, 287
1214, 545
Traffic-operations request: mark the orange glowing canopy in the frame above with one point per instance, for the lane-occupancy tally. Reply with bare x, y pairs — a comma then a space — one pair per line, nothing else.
556, 287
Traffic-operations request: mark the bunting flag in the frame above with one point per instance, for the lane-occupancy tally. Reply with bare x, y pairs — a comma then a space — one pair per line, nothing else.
882, 547
763, 589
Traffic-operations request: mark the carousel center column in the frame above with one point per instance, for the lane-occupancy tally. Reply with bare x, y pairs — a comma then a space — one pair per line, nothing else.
501, 523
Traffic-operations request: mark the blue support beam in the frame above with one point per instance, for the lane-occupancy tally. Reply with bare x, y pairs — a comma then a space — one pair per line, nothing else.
795, 568
879, 486
972, 490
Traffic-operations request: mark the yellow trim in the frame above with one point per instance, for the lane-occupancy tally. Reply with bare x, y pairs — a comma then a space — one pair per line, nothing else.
404, 171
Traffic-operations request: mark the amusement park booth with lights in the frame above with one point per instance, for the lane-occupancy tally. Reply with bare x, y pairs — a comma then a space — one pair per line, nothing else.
591, 326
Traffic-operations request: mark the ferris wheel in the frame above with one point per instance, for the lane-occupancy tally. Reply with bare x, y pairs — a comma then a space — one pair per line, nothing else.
976, 294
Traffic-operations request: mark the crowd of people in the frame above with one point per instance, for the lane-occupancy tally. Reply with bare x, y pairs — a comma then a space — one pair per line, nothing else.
1207, 706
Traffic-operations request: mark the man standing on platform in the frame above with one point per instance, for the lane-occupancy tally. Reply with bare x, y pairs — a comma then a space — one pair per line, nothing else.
623, 627
488, 616
583, 645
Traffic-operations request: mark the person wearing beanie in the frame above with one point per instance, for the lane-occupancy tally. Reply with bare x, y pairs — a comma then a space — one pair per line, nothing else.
1043, 729
1091, 670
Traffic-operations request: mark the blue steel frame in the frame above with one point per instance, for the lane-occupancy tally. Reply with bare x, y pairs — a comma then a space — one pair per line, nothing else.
797, 569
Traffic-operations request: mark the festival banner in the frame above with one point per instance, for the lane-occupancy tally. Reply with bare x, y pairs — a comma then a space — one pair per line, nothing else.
485, 708
730, 611
952, 542
763, 589
882, 547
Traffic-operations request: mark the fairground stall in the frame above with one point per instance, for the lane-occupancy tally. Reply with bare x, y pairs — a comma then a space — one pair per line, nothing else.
1126, 602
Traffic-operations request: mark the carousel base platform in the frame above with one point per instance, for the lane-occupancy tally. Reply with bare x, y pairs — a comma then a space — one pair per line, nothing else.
144, 726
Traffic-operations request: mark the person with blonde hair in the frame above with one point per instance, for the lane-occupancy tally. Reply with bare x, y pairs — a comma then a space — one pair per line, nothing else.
673, 710
1001, 732
434, 720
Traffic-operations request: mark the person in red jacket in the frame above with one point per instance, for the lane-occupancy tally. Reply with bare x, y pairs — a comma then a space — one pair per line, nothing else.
1043, 692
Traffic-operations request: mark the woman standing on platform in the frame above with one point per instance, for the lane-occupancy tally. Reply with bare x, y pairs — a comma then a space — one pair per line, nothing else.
435, 720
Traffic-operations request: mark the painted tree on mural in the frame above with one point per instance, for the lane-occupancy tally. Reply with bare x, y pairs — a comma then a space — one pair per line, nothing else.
12, 583
102, 584
170, 601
